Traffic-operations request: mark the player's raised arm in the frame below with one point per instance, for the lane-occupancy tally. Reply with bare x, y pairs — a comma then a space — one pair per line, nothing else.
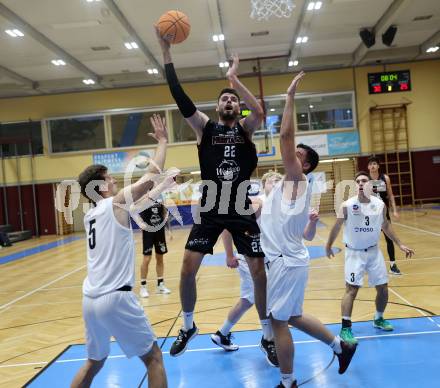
292, 164
253, 121
196, 119
134, 192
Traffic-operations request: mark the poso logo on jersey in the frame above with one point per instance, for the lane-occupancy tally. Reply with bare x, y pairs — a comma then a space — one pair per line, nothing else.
155, 220
228, 171
363, 230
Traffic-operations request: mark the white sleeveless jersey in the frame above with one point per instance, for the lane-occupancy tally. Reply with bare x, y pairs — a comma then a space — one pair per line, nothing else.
110, 251
282, 226
364, 222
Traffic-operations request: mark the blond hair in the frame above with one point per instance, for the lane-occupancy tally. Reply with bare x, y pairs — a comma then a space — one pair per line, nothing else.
270, 174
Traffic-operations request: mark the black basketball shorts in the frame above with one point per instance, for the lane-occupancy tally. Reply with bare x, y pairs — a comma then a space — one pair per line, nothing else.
244, 229
156, 239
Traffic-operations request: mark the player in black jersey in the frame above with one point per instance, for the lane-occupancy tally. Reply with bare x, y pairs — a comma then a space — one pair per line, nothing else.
155, 217
382, 186
227, 158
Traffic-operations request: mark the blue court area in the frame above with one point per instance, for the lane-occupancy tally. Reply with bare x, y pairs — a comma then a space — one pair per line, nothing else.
409, 356
38, 249
219, 259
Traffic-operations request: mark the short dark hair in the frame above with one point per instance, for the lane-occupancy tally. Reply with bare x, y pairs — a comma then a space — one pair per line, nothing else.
95, 172
230, 91
312, 156
359, 173
372, 159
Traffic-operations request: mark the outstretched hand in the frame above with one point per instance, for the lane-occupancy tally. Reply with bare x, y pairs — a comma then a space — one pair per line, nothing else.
233, 68
164, 44
160, 133
293, 86
329, 252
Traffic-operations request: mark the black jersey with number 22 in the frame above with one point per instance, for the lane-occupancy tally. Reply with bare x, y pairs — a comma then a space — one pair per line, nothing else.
227, 156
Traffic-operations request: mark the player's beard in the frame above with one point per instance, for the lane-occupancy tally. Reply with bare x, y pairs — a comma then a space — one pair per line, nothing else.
228, 115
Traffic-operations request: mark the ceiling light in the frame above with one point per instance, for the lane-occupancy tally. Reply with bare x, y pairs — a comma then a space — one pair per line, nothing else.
218, 38
432, 49
91, 1
153, 71
305, 39
293, 63
88, 81
272, 109
14, 33
318, 5
311, 6
131, 45
58, 62
302, 39
224, 64
298, 40
311, 106
334, 160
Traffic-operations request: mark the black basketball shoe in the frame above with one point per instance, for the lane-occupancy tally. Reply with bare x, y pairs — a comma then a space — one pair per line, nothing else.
345, 357
179, 345
268, 348
224, 341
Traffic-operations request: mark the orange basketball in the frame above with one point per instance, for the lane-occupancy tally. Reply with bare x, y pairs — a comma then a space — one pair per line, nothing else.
174, 26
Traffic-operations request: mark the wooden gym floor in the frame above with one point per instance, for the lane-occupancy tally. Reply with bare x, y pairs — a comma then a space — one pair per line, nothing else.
40, 293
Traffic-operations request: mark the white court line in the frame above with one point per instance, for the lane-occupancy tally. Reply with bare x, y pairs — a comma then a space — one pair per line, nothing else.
409, 303
417, 229
221, 350
41, 287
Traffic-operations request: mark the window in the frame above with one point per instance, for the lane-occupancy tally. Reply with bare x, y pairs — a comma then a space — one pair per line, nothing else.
182, 131
77, 134
324, 112
21, 134
132, 129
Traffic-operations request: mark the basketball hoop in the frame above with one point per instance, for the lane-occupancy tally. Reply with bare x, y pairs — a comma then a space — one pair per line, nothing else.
264, 9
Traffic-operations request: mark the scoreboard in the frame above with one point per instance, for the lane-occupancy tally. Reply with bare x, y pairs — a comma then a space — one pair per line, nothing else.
389, 82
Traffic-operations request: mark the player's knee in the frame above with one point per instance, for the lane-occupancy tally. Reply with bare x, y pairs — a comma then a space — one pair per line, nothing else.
153, 357
352, 290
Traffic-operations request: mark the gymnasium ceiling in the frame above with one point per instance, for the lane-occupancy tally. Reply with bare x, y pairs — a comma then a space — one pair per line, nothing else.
89, 37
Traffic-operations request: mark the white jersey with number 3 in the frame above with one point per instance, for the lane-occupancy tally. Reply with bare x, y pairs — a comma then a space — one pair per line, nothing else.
110, 251
364, 222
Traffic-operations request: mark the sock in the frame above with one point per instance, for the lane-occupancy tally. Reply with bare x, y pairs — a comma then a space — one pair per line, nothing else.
346, 322
143, 282
188, 320
378, 315
336, 345
266, 325
287, 379
159, 281
226, 328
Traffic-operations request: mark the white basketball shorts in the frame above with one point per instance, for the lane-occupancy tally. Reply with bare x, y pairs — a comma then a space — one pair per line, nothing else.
359, 262
118, 314
285, 290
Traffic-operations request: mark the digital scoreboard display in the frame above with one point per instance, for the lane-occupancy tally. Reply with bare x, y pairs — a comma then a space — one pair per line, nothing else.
389, 82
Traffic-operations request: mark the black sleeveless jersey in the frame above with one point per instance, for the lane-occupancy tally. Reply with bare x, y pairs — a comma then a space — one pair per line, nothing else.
381, 189
153, 215
227, 157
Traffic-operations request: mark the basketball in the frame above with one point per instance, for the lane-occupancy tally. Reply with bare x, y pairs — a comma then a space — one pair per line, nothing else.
174, 26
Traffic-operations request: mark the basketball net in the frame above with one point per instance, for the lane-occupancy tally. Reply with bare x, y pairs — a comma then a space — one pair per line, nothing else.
264, 9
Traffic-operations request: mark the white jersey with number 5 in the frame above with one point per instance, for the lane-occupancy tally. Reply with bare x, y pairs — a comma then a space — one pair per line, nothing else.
110, 251
364, 222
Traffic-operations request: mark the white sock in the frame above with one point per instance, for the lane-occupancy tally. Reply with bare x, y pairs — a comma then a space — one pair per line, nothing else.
188, 320
287, 379
226, 328
378, 315
266, 325
346, 318
336, 345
